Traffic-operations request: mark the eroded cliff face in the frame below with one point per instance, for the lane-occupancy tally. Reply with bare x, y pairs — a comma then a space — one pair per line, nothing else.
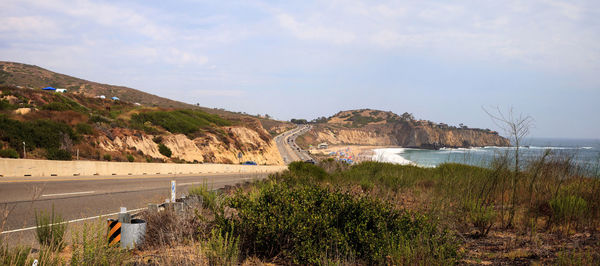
348, 136
209, 148
416, 137
372, 127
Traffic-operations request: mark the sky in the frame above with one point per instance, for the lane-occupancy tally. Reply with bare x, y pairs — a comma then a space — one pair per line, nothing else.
440, 60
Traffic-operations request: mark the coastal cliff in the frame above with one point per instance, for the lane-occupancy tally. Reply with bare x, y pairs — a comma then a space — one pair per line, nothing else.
373, 127
65, 126
207, 148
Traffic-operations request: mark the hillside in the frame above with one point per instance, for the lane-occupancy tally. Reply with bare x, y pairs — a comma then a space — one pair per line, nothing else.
374, 127
30, 76
34, 77
61, 125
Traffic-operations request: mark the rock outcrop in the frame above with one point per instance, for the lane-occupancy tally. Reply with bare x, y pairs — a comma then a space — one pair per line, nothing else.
372, 127
208, 148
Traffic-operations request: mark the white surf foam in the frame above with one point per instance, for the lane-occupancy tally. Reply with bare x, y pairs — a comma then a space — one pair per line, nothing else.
391, 155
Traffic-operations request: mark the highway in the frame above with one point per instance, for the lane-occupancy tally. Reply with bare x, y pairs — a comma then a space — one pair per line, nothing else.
289, 150
84, 198
76, 198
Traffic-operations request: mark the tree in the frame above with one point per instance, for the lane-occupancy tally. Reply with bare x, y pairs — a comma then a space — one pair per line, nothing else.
319, 120
164, 150
517, 128
407, 116
298, 121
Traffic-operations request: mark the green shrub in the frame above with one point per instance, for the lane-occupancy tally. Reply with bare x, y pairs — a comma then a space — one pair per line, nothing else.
130, 158
56, 106
14, 256
44, 134
63, 103
221, 248
306, 224
481, 215
50, 229
91, 248
5, 105
307, 170
98, 119
180, 121
568, 208
58, 154
157, 139
9, 153
164, 150
209, 197
107, 157
84, 129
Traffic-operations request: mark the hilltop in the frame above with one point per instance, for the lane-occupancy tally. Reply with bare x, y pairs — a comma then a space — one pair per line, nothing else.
66, 125
376, 127
34, 77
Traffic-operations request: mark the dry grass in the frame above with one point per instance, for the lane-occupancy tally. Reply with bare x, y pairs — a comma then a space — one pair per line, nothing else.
168, 228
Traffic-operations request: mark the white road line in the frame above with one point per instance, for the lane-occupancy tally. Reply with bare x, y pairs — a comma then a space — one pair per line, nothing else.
67, 222
66, 194
192, 183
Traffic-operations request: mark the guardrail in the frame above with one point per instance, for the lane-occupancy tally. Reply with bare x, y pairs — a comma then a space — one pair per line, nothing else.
41, 168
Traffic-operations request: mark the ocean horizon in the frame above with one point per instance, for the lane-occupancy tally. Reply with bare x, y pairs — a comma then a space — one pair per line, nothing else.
585, 153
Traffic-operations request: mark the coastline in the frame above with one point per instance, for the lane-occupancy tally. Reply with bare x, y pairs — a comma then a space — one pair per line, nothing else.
358, 153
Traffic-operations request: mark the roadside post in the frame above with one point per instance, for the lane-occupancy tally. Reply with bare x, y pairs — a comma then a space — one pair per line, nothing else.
173, 190
124, 217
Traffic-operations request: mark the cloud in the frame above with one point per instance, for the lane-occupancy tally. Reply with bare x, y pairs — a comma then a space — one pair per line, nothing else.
314, 31
109, 15
176, 56
27, 24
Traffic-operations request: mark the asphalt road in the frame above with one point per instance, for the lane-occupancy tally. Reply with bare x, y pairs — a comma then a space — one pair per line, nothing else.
83, 197
289, 150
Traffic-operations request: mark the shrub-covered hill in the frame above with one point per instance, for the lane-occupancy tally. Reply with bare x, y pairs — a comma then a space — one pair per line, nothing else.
374, 127
62, 125
34, 77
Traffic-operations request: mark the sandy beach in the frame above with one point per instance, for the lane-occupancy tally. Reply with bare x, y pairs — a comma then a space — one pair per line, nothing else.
357, 153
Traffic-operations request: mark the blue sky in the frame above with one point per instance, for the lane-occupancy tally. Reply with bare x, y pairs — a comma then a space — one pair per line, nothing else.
440, 61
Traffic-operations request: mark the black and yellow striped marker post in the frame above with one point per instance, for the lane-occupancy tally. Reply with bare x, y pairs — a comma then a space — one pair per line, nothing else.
114, 231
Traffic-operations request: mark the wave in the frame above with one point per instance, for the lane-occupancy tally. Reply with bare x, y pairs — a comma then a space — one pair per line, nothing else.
391, 155
538, 148
462, 150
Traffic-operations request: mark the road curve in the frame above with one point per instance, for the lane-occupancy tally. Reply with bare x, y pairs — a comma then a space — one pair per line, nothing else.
289, 150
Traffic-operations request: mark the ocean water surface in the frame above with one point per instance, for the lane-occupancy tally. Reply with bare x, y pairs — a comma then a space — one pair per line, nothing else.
585, 153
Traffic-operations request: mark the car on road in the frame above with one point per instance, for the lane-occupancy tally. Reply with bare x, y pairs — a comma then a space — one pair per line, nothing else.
249, 163
311, 161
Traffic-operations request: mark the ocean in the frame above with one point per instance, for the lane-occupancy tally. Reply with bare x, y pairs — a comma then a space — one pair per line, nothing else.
585, 153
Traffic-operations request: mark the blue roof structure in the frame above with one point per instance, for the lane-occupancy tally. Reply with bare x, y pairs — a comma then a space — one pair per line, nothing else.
115, 98
49, 89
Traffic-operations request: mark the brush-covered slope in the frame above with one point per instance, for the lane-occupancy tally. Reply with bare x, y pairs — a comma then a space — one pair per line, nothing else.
34, 77
30, 76
374, 127
60, 125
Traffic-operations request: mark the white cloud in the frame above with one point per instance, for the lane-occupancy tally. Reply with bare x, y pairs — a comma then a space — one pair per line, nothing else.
314, 31
176, 56
110, 15
28, 27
